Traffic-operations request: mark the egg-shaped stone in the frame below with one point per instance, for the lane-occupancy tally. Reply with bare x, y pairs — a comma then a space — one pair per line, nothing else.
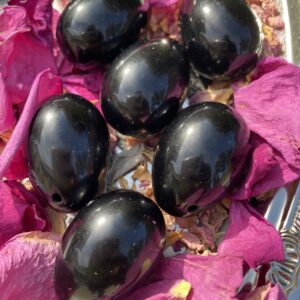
199, 158
110, 247
222, 37
90, 32
144, 87
67, 151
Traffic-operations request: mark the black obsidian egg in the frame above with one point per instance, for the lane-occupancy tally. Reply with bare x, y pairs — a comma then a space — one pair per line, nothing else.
199, 158
143, 88
110, 247
67, 149
95, 31
222, 36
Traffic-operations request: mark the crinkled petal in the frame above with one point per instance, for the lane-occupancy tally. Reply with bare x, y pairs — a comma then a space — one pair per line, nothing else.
266, 293
7, 118
276, 293
156, 3
40, 15
18, 168
27, 267
86, 85
22, 59
163, 290
268, 170
19, 211
211, 277
270, 106
251, 237
12, 20
45, 85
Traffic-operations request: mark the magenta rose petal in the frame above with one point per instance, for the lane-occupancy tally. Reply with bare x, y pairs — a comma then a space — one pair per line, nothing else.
163, 290
13, 20
23, 59
19, 211
251, 237
276, 89
7, 118
85, 85
27, 266
156, 3
265, 293
40, 15
268, 170
18, 169
45, 85
210, 277
276, 293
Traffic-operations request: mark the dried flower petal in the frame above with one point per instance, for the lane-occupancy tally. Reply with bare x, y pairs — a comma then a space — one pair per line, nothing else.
268, 171
23, 58
13, 20
85, 85
211, 277
192, 241
40, 15
251, 237
7, 118
45, 85
27, 267
172, 237
266, 292
19, 211
276, 89
156, 3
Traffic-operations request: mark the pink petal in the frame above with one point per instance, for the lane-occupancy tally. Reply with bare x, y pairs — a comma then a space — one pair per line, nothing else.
18, 212
18, 169
160, 290
276, 293
45, 85
23, 59
251, 237
27, 267
87, 85
156, 3
40, 15
270, 106
266, 293
211, 277
7, 118
13, 20
268, 170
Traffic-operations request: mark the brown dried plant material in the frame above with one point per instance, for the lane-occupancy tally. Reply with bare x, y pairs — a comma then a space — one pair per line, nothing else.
201, 232
226, 203
193, 242
266, 196
123, 183
142, 173
57, 220
222, 95
172, 237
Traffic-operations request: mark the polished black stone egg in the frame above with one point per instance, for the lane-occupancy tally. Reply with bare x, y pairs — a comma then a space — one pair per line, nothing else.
143, 88
67, 151
222, 37
90, 32
199, 158
110, 247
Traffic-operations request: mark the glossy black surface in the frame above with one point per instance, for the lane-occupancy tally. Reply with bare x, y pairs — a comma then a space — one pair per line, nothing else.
199, 157
67, 149
93, 31
143, 88
222, 36
110, 247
